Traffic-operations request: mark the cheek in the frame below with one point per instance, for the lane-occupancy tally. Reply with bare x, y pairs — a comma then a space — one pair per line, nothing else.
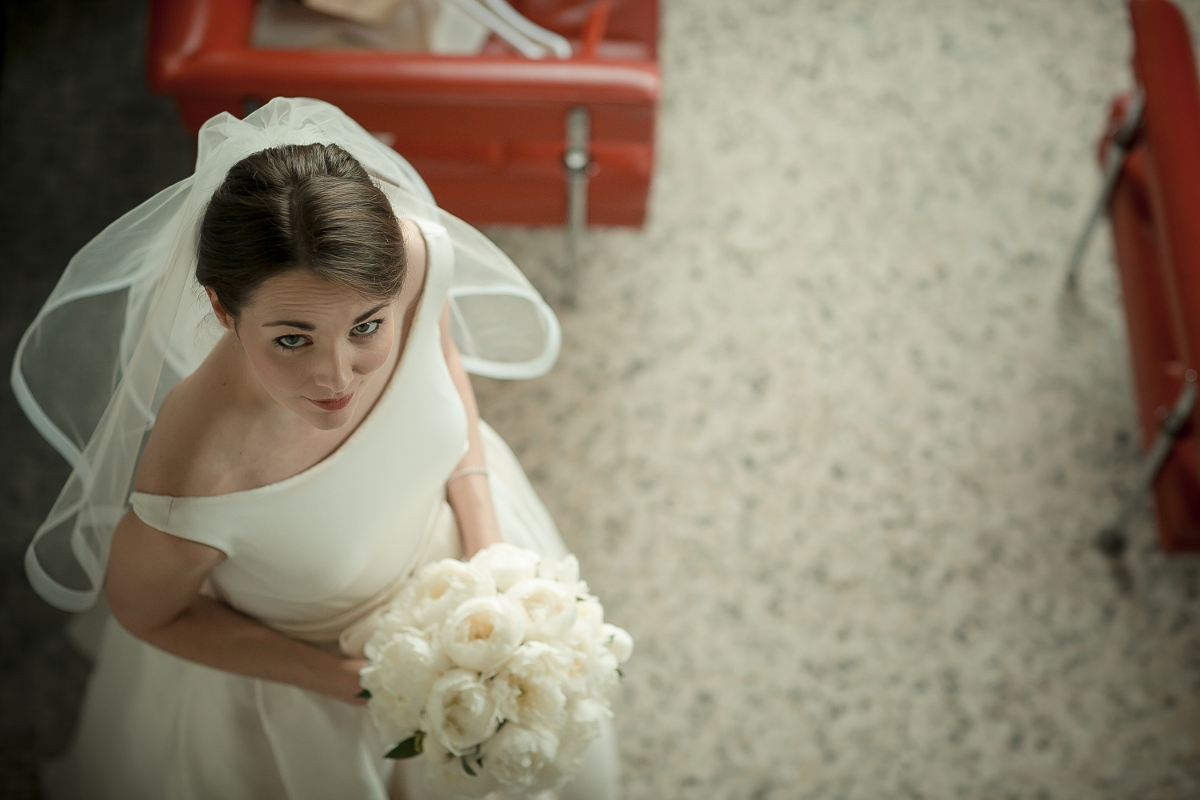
278, 370
374, 355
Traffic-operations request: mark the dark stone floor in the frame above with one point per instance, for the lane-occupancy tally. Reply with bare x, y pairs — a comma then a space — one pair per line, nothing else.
83, 140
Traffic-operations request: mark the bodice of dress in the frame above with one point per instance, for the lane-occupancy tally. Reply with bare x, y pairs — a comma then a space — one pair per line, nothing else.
317, 545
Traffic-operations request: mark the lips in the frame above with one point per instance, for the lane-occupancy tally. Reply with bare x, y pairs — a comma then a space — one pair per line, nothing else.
332, 405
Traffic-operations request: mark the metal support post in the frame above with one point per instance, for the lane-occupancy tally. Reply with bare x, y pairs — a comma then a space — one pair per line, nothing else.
578, 161
1114, 160
1111, 540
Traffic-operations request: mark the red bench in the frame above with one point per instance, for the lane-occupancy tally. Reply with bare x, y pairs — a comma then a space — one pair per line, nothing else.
1154, 210
487, 132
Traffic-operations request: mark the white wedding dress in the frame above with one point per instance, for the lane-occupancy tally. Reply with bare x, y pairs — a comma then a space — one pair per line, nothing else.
309, 556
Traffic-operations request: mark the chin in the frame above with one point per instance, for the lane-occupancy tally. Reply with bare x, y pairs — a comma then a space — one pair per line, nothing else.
328, 422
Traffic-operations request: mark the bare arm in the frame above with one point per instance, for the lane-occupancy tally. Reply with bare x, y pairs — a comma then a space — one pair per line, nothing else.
469, 495
153, 586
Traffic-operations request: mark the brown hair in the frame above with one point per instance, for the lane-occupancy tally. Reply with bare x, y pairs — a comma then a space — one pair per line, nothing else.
309, 206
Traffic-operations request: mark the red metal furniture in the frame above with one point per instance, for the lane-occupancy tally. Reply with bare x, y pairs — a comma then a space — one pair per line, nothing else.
1154, 210
487, 133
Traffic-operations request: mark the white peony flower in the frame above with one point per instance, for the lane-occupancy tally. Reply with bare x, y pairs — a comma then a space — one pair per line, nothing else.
586, 712
506, 563
437, 588
403, 668
602, 675
460, 712
589, 616
530, 687
482, 632
393, 717
565, 572
575, 664
389, 620
444, 771
388, 629
549, 607
618, 641
516, 755
573, 740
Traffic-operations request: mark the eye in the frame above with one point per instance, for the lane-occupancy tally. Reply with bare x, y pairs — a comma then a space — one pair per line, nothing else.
367, 328
292, 341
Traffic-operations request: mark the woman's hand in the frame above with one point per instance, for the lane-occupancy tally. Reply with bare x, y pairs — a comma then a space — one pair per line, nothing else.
343, 683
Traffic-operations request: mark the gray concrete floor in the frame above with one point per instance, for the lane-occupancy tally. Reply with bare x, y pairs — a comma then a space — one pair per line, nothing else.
821, 434
84, 141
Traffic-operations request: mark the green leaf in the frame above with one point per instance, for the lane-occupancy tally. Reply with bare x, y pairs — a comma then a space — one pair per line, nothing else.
467, 766
619, 673
365, 694
409, 748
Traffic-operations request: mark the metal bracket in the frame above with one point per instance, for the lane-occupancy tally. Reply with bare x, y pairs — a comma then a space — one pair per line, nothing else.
1114, 159
1111, 540
578, 161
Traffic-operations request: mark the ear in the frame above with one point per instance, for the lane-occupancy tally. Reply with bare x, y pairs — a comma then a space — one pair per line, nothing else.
227, 321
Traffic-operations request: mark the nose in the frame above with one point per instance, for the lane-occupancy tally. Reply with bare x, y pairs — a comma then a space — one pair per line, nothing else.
334, 371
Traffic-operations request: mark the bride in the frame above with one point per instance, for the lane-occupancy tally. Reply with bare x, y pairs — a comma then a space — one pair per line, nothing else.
302, 459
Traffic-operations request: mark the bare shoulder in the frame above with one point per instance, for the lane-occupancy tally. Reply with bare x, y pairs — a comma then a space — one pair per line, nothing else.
182, 457
136, 542
414, 249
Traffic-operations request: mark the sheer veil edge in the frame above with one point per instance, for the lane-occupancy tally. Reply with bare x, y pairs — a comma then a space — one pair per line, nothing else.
127, 320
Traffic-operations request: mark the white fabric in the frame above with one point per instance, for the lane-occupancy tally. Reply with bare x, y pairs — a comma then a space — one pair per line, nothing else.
309, 555
127, 321
432, 26
447, 27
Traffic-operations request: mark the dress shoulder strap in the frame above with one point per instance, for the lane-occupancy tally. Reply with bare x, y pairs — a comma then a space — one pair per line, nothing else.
182, 517
152, 509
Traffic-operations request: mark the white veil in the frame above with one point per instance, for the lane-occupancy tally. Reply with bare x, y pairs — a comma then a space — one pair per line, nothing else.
127, 320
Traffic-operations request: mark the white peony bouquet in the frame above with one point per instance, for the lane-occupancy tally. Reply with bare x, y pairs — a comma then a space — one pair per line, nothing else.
498, 670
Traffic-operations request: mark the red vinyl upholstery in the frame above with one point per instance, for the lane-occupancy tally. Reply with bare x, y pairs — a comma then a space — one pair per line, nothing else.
1155, 216
486, 132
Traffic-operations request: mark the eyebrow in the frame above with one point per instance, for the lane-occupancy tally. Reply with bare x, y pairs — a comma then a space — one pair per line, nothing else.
306, 326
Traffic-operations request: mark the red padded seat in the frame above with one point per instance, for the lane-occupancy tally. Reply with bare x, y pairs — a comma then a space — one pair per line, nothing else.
1155, 216
486, 132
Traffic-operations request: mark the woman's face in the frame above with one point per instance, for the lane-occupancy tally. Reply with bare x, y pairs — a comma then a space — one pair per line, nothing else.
313, 345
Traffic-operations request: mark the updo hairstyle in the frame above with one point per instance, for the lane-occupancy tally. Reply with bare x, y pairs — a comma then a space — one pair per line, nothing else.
309, 206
